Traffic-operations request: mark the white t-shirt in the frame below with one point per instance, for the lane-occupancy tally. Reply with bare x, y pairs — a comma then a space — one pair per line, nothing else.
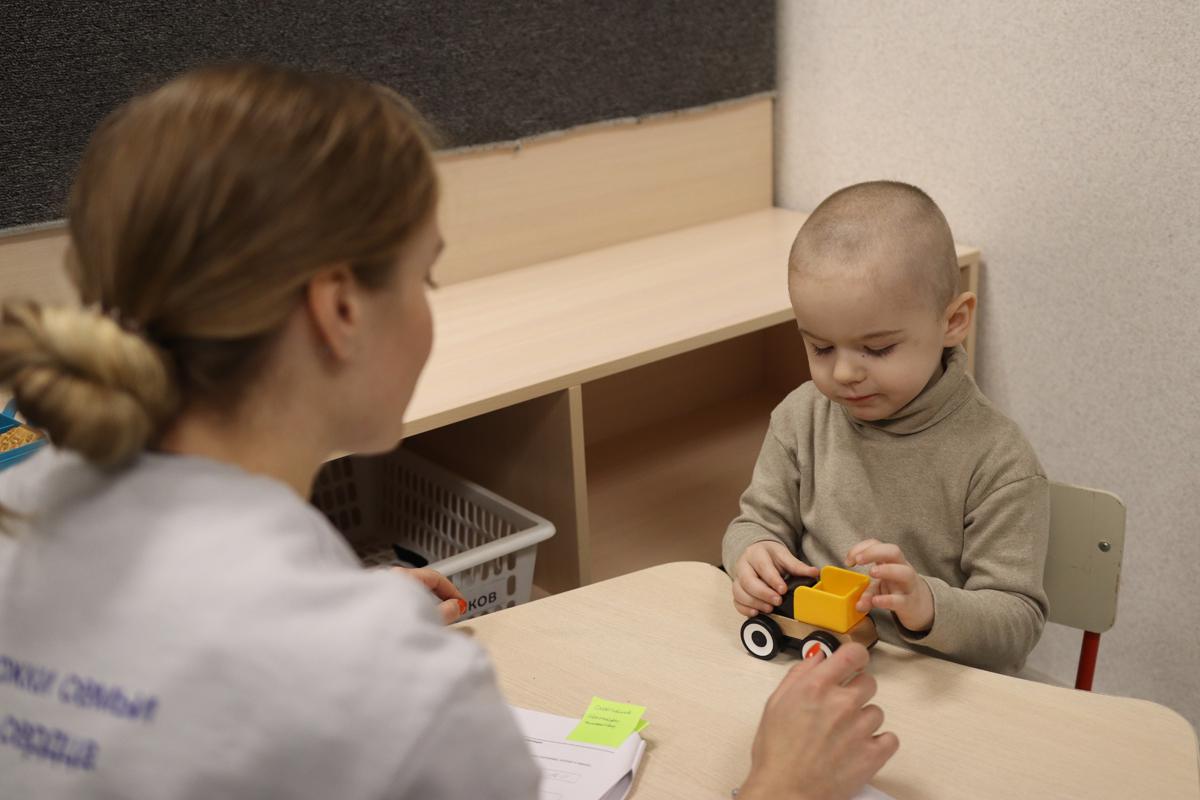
183, 629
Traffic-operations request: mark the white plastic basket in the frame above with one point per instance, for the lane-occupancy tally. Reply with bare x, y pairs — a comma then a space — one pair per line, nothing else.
484, 543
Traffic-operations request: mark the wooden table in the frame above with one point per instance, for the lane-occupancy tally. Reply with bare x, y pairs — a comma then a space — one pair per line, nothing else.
667, 638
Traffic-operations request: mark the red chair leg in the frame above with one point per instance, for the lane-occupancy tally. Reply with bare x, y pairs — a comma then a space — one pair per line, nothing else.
1087, 661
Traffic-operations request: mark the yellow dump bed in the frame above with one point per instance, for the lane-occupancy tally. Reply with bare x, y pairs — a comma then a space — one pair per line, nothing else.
830, 603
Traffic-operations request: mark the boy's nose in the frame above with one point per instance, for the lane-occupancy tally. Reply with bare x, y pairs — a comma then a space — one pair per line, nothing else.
847, 369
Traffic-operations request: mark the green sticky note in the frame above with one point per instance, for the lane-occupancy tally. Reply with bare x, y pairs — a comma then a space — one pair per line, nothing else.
608, 723
641, 724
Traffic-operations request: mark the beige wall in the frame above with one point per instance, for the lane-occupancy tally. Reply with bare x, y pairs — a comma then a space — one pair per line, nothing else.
1063, 139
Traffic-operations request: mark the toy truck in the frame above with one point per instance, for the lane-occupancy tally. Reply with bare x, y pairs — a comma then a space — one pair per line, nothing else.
817, 614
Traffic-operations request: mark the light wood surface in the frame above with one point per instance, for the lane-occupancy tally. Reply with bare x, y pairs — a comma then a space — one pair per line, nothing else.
32, 265
532, 454
667, 493
509, 337
602, 184
641, 399
786, 362
667, 638
671, 446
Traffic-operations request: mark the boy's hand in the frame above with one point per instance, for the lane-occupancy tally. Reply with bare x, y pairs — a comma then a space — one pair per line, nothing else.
759, 577
897, 586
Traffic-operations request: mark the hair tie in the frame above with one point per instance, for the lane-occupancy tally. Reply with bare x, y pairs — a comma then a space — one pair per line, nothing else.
123, 322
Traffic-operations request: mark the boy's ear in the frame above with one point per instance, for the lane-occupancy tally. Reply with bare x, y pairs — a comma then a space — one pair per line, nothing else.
959, 314
331, 300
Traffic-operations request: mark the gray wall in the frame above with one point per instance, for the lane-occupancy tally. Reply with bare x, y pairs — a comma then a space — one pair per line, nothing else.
1063, 139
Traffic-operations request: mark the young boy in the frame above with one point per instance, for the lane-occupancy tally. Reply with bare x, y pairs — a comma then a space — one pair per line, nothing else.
891, 457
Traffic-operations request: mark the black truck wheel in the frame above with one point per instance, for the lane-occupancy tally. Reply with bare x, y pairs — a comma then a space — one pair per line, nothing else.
761, 637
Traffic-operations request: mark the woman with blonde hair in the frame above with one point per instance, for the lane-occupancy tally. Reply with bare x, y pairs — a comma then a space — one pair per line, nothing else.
251, 246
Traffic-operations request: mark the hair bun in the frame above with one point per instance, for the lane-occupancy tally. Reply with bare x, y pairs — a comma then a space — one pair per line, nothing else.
94, 387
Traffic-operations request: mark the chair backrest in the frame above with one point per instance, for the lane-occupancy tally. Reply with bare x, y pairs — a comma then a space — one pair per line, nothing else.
1083, 562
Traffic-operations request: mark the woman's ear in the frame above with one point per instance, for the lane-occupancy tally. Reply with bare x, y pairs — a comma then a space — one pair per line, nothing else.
331, 299
958, 316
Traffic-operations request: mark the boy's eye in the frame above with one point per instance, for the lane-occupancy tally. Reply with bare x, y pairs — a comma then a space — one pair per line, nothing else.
883, 351
822, 351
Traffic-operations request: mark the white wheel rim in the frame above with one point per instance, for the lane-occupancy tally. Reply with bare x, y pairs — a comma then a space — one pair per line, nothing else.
748, 639
810, 649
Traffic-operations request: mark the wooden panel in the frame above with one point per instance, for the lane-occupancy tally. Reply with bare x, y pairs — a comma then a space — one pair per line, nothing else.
31, 265
786, 358
668, 492
671, 446
532, 454
665, 390
602, 185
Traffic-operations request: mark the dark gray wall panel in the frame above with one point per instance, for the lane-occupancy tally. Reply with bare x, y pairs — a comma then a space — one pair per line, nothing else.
482, 70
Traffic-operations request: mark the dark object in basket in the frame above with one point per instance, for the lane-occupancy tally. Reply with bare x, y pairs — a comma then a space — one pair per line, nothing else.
408, 558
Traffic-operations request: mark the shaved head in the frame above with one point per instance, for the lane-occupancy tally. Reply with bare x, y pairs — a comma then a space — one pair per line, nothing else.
888, 232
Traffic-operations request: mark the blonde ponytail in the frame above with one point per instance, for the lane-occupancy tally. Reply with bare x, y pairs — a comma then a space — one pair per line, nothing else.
92, 386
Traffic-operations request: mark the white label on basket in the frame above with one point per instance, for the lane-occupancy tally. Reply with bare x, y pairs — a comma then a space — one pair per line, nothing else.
482, 598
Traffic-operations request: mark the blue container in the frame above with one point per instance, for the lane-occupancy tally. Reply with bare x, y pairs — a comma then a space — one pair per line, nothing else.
8, 421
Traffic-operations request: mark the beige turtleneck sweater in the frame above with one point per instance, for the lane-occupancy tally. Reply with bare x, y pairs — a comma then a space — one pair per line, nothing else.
949, 479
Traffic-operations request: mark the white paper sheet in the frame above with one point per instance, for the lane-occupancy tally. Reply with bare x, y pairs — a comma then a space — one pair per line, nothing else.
573, 770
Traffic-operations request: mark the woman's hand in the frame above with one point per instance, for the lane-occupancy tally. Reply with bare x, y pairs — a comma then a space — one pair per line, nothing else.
817, 736
453, 605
